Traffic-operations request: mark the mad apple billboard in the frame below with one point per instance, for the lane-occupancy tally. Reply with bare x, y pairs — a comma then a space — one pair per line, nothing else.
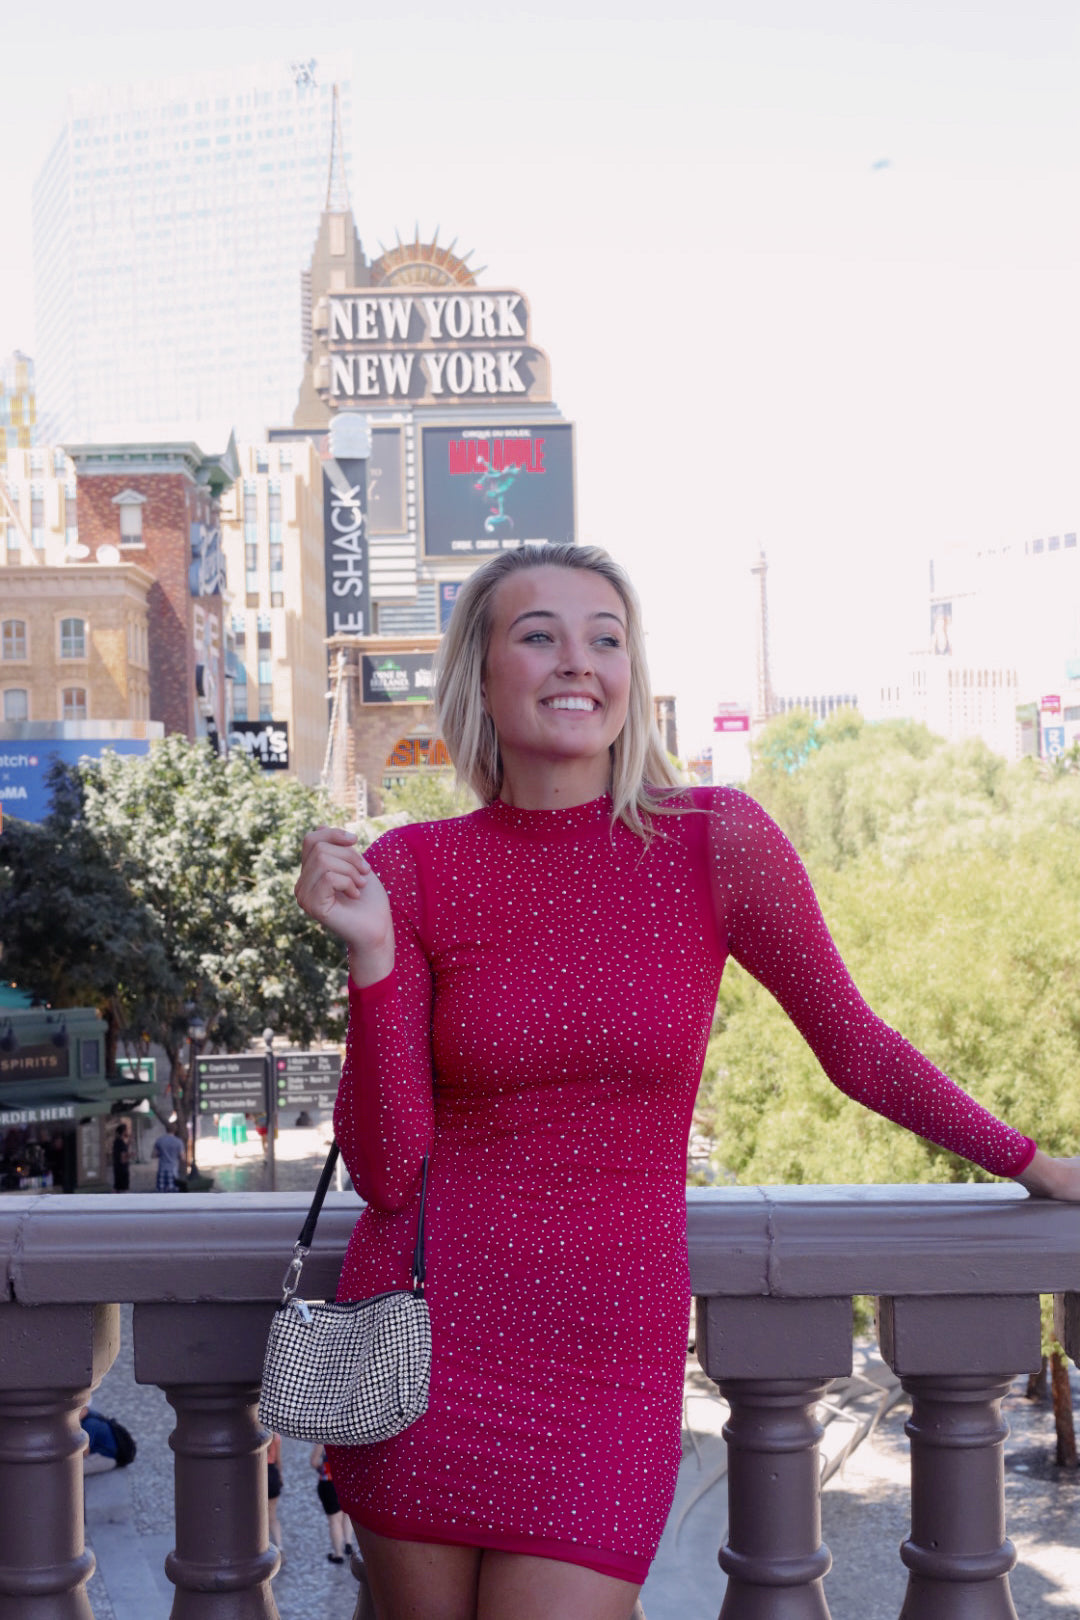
490, 489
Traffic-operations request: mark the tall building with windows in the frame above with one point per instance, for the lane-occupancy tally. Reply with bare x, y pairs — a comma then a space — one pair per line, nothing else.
18, 409
172, 221
272, 537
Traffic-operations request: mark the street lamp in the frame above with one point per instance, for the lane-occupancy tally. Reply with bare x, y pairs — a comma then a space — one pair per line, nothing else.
196, 1030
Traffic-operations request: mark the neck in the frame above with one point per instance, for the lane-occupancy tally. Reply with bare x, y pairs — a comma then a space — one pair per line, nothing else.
537, 785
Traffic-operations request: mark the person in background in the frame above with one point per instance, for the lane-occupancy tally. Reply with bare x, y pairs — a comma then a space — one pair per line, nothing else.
169, 1152
335, 1518
121, 1158
273, 1491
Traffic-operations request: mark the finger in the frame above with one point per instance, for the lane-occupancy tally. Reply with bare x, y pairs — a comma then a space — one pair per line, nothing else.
332, 857
326, 835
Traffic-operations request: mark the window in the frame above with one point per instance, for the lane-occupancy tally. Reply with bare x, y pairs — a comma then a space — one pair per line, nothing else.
74, 703
13, 540
131, 531
284, 457
59, 465
266, 702
37, 516
14, 642
274, 502
240, 702
73, 638
16, 703
262, 460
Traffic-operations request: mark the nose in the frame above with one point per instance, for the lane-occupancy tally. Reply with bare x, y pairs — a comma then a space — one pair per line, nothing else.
576, 659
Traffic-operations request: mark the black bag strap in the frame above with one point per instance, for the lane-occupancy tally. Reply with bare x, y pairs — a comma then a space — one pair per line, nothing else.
302, 1247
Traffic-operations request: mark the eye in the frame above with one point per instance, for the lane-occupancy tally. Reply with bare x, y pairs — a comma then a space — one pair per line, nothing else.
609, 641
537, 635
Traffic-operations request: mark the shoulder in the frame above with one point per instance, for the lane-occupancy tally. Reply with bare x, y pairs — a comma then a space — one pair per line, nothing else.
727, 809
420, 843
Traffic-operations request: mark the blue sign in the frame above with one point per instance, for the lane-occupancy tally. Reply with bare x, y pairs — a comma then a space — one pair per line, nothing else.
448, 590
24, 766
1053, 742
206, 575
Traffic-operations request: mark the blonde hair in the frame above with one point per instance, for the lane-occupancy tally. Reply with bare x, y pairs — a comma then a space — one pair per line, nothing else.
642, 775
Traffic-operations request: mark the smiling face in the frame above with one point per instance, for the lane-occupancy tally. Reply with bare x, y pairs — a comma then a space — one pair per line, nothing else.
556, 683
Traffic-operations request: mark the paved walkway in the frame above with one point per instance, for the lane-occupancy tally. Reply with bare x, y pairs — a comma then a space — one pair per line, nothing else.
864, 1504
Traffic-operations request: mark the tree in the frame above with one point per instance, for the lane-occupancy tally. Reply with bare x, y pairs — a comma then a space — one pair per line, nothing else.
947, 878
70, 930
430, 795
201, 855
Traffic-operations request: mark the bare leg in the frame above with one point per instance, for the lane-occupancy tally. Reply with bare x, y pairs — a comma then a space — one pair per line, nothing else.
336, 1525
514, 1586
274, 1522
420, 1580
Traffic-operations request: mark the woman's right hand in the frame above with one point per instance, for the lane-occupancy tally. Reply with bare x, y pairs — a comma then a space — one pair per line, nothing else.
340, 890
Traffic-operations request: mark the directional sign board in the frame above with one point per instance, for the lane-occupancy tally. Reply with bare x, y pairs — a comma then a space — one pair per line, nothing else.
307, 1079
231, 1085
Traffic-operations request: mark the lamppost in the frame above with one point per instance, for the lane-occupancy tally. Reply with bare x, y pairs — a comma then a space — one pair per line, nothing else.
271, 1108
196, 1030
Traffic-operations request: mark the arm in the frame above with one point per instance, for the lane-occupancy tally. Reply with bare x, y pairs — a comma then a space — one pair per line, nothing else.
383, 1116
774, 927
1045, 1177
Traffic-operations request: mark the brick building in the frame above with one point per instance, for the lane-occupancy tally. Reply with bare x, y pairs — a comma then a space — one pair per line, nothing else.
158, 505
74, 643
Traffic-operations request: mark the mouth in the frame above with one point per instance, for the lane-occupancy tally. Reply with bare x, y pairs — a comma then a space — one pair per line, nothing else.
572, 705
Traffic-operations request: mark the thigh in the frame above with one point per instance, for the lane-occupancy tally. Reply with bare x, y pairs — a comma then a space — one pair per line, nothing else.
419, 1580
514, 1586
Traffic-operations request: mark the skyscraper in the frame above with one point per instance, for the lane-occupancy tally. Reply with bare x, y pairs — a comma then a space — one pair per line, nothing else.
172, 220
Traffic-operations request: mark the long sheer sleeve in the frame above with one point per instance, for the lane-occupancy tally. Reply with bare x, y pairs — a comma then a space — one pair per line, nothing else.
383, 1116
769, 915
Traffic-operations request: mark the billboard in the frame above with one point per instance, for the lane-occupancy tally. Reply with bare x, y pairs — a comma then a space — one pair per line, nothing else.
397, 678
24, 766
265, 741
385, 346
490, 489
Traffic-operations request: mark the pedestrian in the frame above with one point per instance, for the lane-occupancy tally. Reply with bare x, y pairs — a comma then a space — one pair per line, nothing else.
335, 1518
531, 991
121, 1158
169, 1153
273, 1491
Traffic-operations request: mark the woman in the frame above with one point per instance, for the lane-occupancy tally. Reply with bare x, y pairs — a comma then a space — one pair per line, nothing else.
531, 989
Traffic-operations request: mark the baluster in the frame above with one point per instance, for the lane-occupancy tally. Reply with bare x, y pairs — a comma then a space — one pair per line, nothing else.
772, 1359
51, 1357
957, 1357
208, 1360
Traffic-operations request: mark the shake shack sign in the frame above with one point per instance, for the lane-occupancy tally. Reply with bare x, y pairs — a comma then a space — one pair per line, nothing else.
383, 346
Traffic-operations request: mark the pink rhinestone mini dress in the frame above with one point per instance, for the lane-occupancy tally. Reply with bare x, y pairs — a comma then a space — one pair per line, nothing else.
543, 1034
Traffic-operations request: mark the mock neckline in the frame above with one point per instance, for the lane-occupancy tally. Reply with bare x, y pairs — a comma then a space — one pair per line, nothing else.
576, 819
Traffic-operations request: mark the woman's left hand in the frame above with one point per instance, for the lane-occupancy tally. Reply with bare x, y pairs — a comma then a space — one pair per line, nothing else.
1052, 1178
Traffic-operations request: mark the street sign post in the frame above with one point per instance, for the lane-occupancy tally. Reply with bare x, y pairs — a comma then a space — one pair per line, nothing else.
231, 1085
307, 1079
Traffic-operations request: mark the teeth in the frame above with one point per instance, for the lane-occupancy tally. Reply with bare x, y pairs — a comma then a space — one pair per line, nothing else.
586, 704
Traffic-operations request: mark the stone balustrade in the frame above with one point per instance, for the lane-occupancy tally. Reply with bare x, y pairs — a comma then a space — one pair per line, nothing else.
956, 1272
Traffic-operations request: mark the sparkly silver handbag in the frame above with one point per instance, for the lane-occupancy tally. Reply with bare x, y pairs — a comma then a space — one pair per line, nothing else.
349, 1374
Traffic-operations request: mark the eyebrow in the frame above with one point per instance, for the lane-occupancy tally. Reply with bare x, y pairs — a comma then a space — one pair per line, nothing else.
545, 613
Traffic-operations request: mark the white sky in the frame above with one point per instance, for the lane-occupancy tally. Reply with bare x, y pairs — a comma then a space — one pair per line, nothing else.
807, 271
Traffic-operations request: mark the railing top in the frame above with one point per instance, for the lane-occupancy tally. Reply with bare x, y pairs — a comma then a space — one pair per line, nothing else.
794, 1242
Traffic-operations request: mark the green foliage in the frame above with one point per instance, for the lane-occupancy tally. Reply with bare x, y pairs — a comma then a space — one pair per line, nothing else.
172, 876
948, 880
429, 796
